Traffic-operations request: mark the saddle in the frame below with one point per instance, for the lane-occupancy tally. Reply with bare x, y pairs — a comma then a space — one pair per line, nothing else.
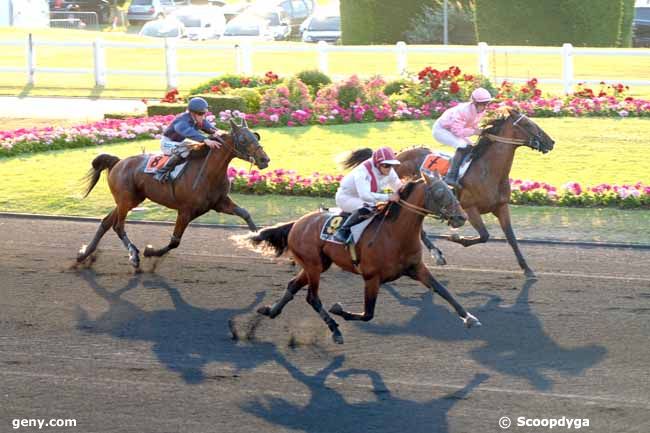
336, 219
156, 161
441, 161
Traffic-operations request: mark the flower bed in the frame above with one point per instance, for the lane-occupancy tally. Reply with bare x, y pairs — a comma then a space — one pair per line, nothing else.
572, 194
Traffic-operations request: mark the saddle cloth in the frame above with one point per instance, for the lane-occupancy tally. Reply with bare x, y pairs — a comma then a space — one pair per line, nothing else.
156, 161
336, 219
441, 161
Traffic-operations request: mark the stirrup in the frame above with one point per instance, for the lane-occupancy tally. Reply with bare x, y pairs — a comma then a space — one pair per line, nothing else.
339, 237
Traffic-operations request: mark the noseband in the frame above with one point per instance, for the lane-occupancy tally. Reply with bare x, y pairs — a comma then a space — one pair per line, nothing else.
444, 213
236, 140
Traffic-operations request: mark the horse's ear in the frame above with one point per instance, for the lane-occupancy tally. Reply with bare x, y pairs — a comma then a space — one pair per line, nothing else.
233, 125
257, 135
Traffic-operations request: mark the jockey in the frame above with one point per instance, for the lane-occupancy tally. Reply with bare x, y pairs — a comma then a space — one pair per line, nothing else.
360, 190
187, 125
456, 125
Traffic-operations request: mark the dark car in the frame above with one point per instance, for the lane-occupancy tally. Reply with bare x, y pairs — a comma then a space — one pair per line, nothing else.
641, 27
101, 7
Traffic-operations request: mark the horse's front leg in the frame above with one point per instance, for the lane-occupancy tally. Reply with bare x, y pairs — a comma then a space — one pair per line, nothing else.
422, 274
229, 207
435, 252
474, 217
503, 214
183, 218
370, 299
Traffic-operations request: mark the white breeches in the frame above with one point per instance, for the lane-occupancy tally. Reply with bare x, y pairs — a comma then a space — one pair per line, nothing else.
348, 203
445, 136
170, 147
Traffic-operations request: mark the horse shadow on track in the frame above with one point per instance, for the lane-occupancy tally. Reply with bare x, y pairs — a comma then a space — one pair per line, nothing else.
185, 338
515, 343
329, 411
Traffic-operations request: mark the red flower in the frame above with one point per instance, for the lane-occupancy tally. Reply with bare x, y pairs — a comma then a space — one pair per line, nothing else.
454, 87
468, 77
454, 70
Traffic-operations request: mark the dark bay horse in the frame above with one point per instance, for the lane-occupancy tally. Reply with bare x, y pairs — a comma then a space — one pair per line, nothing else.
130, 186
388, 249
486, 185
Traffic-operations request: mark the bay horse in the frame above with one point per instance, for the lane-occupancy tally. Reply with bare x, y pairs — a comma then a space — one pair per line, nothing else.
388, 249
192, 195
486, 185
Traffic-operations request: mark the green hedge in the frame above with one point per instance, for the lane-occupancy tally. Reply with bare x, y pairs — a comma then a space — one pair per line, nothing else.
596, 23
367, 22
164, 109
218, 103
626, 24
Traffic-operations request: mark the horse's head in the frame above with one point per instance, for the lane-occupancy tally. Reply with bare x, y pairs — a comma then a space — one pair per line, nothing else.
533, 136
440, 200
246, 144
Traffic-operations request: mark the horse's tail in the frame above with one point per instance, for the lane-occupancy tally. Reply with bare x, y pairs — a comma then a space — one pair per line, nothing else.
101, 163
275, 238
356, 157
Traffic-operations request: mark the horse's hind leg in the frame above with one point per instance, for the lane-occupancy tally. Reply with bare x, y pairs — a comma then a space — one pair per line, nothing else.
106, 224
182, 221
422, 274
370, 299
503, 214
293, 287
435, 252
118, 226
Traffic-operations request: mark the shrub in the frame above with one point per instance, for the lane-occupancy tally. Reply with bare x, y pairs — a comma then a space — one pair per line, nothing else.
166, 108
314, 79
120, 115
251, 97
349, 91
428, 26
292, 94
232, 80
219, 103
394, 86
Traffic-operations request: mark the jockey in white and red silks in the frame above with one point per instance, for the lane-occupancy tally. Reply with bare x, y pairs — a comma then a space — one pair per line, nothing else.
363, 187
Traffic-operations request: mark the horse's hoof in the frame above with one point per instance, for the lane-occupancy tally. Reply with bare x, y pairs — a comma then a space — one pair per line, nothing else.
471, 321
337, 337
135, 261
81, 254
337, 309
148, 251
530, 274
440, 260
264, 311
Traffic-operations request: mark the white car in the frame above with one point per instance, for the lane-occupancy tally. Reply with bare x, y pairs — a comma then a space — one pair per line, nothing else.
163, 28
201, 22
322, 28
248, 28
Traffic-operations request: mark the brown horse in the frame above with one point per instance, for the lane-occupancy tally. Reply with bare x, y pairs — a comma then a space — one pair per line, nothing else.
130, 186
388, 249
486, 185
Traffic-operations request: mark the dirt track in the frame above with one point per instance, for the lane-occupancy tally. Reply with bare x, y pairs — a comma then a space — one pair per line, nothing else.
152, 352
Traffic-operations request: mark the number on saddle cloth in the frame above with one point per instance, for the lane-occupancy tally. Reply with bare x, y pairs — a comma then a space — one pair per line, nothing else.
332, 224
155, 162
436, 161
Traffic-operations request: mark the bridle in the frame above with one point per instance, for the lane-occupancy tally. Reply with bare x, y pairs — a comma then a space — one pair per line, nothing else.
533, 141
236, 144
443, 213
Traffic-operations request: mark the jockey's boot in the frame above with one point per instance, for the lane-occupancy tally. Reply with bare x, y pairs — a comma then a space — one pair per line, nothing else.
452, 175
344, 234
162, 175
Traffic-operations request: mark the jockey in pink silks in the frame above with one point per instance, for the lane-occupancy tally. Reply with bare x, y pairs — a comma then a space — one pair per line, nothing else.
456, 125
361, 189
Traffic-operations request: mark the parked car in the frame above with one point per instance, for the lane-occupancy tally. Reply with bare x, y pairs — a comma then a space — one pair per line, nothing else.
147, 10
322, 27
296, 10
201, 22
641, 24
163, 28
231, 10
277, 21
248, 27
101, 7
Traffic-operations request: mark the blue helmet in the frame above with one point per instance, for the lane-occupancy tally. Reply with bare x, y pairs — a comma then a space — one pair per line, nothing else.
197, 105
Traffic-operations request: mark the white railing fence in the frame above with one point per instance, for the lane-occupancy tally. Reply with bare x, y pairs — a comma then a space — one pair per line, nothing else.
243, 55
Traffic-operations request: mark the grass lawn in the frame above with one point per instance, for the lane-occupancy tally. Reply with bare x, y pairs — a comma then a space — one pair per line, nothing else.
223, 61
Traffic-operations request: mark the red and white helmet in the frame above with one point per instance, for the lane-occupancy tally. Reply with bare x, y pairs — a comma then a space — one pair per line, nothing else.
384, 155
481, 95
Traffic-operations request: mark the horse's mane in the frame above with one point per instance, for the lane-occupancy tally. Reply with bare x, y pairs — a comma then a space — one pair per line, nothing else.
356, 157
492, 125
392, 211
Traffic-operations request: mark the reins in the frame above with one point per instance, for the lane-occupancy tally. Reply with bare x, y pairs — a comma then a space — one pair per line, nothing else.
513, 141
